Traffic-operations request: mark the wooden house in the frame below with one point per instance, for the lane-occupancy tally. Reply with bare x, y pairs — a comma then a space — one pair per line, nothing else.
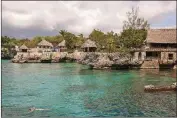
160, 44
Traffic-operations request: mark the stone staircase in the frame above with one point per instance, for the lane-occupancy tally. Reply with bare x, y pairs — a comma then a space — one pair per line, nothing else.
152, 64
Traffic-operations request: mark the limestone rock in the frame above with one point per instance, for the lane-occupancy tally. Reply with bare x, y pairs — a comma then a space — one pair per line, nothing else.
107, 60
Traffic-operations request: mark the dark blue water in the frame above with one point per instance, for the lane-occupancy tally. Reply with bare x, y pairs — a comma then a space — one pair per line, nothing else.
70, 89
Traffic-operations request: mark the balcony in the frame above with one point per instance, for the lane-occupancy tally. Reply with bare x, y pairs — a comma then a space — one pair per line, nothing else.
154, 50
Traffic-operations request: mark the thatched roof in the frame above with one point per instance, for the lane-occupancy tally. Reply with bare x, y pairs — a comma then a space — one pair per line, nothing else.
161, 36
62, 44
89, 43
23, 47
45, 43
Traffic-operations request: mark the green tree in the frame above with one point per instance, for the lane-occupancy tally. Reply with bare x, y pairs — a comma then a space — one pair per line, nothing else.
134, 21
63, 33
110, 43
8, 42
132, 38
71, 39
4, 40
79, 40
99, 37
134, 31
111, 47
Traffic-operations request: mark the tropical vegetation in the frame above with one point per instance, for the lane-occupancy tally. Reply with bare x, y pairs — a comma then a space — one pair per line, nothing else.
133, 36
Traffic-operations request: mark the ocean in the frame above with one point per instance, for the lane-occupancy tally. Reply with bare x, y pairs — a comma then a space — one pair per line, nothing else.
74, 90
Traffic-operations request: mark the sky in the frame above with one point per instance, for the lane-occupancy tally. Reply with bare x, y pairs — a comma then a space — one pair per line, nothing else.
27, 19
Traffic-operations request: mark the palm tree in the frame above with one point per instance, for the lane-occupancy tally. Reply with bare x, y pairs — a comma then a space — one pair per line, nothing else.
63, 33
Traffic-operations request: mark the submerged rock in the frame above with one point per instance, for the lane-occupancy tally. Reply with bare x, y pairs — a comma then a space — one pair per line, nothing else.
15, 60
152, 88
148, 86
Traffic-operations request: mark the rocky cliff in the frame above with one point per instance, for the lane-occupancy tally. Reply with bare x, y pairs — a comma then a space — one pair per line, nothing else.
109, 60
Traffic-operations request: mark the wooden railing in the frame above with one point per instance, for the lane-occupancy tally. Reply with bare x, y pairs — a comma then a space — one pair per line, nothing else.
155, 49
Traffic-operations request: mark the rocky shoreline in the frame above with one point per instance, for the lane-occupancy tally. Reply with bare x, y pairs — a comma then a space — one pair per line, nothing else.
110, 61
95, 60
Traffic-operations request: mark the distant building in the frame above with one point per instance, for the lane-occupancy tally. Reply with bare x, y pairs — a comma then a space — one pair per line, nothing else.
44, 46
89, 46
23, 48
61, 46
160, 44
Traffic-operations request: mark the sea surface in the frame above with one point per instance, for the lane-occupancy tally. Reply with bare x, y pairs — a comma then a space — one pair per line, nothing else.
71, 89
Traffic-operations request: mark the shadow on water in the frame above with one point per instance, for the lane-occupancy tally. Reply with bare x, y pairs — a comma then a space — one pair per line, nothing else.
159, 72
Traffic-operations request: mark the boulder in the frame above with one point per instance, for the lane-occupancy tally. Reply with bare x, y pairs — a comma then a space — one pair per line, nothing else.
102, 62
152, 88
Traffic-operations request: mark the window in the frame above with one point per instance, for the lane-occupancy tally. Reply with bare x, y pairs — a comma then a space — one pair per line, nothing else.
170, 56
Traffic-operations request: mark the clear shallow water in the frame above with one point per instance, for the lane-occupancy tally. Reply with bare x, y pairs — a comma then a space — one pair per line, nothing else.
70, 89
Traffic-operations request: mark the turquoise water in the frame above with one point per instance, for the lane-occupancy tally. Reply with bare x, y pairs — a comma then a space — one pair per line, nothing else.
70, 89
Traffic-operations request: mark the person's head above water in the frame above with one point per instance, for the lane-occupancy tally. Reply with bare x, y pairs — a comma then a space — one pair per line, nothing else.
32, 109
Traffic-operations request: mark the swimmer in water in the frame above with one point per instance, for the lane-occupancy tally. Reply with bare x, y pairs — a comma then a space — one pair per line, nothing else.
33, 109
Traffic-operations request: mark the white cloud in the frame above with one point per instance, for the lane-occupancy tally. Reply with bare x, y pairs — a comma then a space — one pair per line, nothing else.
154, 10
79, 16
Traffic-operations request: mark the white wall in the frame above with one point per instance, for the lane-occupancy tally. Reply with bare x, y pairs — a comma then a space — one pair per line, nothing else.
143, 55
136, 56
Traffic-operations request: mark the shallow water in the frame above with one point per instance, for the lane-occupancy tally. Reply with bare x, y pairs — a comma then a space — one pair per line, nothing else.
70, 89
